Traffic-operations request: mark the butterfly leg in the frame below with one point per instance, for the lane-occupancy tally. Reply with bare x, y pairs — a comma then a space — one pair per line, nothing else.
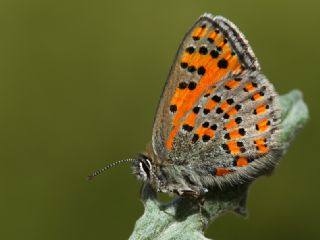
196, 193
201, 201
200, 198
187, 191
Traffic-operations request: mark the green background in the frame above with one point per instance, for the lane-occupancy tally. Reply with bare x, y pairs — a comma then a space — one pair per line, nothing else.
79, 86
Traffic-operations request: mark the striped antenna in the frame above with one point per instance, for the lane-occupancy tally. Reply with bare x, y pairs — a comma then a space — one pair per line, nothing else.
98, 172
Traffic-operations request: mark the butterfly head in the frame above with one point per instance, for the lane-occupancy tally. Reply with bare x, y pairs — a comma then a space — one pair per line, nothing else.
143, 168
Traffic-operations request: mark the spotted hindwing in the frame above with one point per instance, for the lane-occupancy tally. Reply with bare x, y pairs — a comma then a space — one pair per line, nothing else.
233, 128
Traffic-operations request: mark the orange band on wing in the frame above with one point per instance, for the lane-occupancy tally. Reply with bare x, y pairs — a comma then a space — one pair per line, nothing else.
261, 109
191, 119
262, 148
212, 36
260, 141
263, 125
231, 124
200, 60
257, 96
205, 131
261, 145
235, 134
250, 87
232, 112
216, 69
231, 84
242, 161
224, 106
199, 33
233, 147
222, 171
186, 57
210, 105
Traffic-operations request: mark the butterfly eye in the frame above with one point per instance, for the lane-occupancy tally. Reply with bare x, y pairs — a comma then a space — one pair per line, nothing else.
144, 170
147, 161
145, 167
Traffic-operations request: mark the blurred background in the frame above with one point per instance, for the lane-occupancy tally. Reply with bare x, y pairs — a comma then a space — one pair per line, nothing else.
79, 86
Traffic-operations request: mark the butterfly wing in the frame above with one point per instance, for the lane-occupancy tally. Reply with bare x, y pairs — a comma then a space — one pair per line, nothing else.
235, 125
210, 51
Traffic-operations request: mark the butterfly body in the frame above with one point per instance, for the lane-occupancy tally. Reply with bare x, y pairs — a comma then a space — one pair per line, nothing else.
218, 118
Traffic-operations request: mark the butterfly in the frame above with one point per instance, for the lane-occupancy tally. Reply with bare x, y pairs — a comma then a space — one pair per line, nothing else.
217, 122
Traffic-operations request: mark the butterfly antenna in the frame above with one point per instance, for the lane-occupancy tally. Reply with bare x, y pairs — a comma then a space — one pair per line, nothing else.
98, 172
